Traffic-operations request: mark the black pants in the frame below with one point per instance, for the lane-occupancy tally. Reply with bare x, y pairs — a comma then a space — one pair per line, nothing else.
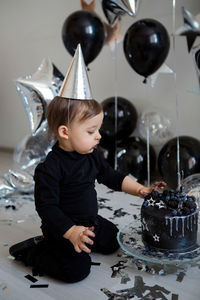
58, 258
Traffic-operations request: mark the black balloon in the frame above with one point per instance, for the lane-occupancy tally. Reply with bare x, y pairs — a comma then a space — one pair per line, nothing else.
132, 158
112, 11
58, 75
189, 159
197, 59
86, 28
146, 46
126, 120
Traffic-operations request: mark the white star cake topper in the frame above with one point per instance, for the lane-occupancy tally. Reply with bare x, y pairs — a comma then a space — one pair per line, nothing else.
156, 238
151, 202
160, 204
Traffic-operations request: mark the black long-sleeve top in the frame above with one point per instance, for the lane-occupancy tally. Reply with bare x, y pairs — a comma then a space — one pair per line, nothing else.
65, 192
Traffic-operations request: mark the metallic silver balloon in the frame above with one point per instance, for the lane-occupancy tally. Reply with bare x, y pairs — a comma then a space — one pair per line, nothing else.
129, 6
112, 11
37, 90
156, 125
115, 9
190, 29
20, 180
5, 187
191, 186
31, 150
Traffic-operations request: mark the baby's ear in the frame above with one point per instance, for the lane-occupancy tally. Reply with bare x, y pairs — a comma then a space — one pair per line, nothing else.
63, 132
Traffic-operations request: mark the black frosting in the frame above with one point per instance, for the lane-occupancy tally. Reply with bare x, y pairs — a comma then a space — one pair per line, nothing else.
169, 221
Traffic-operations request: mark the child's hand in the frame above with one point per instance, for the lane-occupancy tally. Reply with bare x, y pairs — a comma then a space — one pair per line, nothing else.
159, 185
79, 237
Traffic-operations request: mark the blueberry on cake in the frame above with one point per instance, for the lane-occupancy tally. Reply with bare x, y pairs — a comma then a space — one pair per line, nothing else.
169, 221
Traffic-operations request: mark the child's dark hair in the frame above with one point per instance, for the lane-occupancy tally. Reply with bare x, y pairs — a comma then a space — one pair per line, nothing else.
62, 111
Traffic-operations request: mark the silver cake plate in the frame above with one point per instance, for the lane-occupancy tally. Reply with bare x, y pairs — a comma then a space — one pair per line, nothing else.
130, 240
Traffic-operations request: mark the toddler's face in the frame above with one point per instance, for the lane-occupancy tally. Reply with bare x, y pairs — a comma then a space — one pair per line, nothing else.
84, 136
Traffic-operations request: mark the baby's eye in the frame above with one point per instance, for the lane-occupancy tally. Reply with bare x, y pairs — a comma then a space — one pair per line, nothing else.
90, 132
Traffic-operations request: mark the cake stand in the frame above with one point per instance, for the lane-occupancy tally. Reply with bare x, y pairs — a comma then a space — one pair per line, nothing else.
130, 240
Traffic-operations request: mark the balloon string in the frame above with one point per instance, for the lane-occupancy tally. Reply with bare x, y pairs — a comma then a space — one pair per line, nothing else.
196, 59
68, 114
176, 96
173, 17
148, 156
147, 137
116, 100
178, 164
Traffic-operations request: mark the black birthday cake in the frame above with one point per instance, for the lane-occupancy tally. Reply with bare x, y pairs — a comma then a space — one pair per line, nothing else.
169, 221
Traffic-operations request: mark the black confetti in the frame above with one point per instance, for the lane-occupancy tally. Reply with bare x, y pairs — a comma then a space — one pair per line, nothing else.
119, 213
117, 268
125, 278
110, 192
103, 199
113, 296
174, 297
135, 217
39, 286
95, 263
155, 292
10, 206
31, 278
180, 276
138, 205
101, 204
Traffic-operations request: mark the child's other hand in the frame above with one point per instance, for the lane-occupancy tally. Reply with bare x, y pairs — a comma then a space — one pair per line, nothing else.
79, 237
158, 185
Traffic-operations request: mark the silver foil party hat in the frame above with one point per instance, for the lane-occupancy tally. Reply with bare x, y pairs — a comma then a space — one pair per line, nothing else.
76, 83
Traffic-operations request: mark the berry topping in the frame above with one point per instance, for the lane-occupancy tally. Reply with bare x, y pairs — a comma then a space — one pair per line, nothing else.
177, 201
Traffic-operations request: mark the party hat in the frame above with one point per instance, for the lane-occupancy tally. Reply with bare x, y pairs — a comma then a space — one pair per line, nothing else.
76, 83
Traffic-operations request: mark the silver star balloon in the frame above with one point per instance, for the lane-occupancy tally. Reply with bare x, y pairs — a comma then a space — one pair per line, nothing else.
129, 6
20, 180
5, 187
196, 59
37, 90
190, 29
32, 149
115, 9
164, 69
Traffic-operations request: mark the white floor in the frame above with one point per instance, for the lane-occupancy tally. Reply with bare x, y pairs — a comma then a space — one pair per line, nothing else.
105, 280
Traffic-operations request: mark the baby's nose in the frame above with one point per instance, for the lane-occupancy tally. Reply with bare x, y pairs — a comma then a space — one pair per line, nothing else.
98, 137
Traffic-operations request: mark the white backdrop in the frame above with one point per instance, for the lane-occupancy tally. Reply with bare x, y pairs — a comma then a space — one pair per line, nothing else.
31, 30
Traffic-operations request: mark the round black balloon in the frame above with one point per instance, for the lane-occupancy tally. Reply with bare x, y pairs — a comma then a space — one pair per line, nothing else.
132, 158
146, 46
126, 120
197, 59
86, 28
189, 159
